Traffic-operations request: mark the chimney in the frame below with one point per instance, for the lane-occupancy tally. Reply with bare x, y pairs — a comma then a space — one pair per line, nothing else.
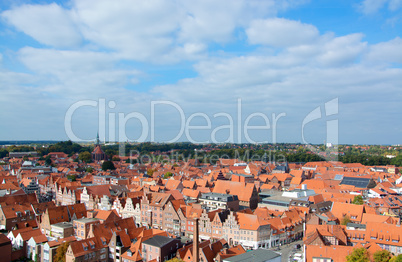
196, 243
150, 223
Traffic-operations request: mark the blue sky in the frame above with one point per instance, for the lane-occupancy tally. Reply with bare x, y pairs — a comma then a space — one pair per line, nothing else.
162, 67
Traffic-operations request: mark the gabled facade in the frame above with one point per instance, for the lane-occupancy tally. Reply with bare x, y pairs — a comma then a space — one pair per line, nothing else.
152, 206
132, 209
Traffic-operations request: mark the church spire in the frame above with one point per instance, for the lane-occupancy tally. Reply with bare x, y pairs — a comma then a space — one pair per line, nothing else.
97, 139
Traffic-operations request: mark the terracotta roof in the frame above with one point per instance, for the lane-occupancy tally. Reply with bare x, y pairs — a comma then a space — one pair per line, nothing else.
243, 190
250, 221
107, 215
57, 214
18, 199
191, 193
354, 212
17, 231
233, 251
40, 238
31, 233
86, 246
336, 253
60, 241
79, 210
4, 239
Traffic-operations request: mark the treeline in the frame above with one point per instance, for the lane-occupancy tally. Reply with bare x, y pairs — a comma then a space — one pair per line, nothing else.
67, 147
149, 148
185, 150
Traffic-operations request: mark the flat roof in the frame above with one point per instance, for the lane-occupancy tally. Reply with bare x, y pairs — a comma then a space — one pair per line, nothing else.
219, 197
158, 241
258, 255
63, 224
87, 220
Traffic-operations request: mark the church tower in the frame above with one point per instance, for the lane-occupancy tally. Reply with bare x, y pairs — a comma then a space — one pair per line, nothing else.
98, 154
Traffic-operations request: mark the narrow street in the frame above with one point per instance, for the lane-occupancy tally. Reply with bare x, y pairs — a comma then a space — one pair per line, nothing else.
289, 249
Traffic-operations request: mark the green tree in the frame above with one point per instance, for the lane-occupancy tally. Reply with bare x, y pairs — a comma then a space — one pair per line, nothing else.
397, 160
108, 165
397, 258
61, 252
382, 256
345, 220
72, 178
358, 255
48, 161
3, 153
85, 157
175, 260
150, 172
167, 175
358, 200
89, 170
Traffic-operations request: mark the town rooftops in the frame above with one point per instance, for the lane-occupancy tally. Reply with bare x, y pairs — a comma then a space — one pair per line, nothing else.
158, 241
258, 255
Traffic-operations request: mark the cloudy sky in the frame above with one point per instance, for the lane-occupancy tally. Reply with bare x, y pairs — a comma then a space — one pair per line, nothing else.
240, 70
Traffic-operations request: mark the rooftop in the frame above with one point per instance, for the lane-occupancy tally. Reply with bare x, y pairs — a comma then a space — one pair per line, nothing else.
158, 241
258, 255
87, 220
219, 197
63, 224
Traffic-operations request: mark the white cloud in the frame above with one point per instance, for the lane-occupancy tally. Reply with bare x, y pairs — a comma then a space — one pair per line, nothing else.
341, 50
369, 7
386, 52
48, 24
79, 75
304, 70
265, 85
279, 32
154, 30
394, 5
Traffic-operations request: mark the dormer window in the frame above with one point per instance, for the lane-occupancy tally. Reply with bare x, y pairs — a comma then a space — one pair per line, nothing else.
103, 241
